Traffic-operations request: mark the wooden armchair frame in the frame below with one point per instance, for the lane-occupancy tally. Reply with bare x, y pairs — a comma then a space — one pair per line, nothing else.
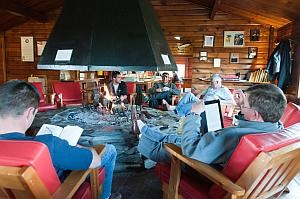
267, 175
24, 182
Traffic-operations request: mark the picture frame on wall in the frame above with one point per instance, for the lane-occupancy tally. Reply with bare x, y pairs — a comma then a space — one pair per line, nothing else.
234, 38
252, 52
217, 63
234, 57
40, 45
254, 35
203, 56
208, 41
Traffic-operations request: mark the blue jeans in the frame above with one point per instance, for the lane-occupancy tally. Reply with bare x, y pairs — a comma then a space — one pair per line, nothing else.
184, 106
151, 144
156, 98
108, 161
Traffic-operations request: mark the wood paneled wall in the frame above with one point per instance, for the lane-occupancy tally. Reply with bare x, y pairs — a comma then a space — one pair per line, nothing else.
177, 18
192, 23
15, 68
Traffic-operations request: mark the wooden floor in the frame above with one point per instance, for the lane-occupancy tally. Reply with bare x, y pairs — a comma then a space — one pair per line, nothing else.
144, 184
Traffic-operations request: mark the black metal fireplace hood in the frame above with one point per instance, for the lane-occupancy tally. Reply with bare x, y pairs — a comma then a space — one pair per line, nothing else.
108, 35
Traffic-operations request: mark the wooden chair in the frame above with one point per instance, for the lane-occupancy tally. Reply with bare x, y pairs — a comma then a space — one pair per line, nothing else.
131, 89
68, 93
44, 105
291, 115
26, 171
261, 166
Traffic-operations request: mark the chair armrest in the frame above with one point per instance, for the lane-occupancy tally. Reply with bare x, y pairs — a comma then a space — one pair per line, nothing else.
59, 99
76, 178
51, 97
204, 169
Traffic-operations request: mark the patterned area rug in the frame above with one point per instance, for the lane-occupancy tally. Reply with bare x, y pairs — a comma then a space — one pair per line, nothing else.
113, 129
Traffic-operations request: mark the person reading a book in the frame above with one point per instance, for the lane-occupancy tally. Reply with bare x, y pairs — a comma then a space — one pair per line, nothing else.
261, 108
18, 107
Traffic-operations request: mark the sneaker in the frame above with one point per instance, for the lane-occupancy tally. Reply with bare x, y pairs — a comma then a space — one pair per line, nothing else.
115, 196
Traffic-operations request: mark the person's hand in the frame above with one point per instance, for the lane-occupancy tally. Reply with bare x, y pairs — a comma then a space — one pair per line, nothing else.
122, 98
158, 90
239, 97
165, 88
198, 107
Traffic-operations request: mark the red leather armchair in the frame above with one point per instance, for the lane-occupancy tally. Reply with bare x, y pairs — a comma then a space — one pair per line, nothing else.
291, 115
131, 89
69, 93
26, 171
262, 165
44, 105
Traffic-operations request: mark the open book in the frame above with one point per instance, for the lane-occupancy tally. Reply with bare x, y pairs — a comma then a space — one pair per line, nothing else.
69, 133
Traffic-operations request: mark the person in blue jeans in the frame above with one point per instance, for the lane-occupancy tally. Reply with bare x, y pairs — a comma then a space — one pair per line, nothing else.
214, 92
18, 107
162, 91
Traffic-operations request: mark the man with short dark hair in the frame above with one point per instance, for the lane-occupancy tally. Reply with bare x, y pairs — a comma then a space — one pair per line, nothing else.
18, 107
117, 88
163, 91
261, 109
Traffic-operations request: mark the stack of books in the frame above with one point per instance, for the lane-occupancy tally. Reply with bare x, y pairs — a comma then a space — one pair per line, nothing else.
259, 76
230, 78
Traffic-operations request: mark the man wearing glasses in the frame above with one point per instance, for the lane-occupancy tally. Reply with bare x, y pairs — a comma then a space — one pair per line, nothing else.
261, 109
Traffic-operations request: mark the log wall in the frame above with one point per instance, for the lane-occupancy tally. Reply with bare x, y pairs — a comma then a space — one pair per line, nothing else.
177, 18
192, 23
17, 69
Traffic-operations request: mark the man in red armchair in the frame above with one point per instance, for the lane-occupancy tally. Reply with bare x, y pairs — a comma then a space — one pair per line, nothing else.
18, 107
261, 109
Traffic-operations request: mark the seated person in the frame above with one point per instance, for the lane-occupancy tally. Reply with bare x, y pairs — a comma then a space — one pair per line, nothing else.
18, 107
215, 91
117, 88
163, 90
261, 108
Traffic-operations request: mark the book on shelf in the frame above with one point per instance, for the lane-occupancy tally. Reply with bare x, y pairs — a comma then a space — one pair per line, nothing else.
69, 133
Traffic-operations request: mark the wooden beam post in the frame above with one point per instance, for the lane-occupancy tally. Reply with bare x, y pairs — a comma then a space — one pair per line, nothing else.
20, 10
214, 9
272, 39
3, 54
296, 57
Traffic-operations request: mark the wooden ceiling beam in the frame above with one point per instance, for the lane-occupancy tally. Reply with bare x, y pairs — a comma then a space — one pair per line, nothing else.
20, 10
163, 2
264, 20
214, 9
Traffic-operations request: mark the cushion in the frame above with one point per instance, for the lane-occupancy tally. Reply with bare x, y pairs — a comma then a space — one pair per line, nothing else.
30, 153
39, 87
84, 191
71, 91
291, 115
188, 188
249, 147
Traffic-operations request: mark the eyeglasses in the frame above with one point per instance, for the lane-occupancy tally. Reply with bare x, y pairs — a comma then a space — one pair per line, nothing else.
244, 107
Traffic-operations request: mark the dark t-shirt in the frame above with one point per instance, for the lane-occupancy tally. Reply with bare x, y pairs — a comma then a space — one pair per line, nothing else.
64, 157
